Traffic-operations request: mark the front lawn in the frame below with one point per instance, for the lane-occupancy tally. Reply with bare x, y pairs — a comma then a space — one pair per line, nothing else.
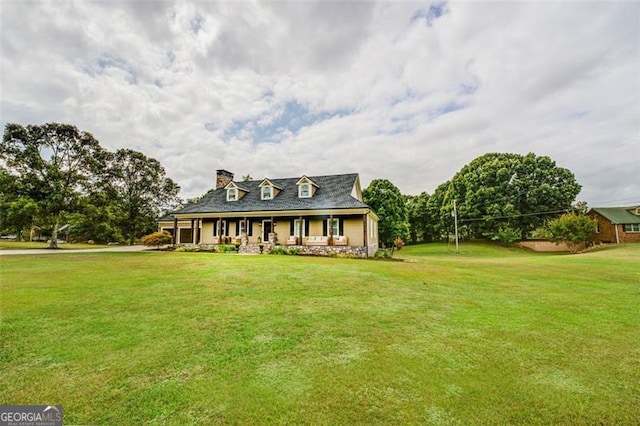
29, 245
490, 336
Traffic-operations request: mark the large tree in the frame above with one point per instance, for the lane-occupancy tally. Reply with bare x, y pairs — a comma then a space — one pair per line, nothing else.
420, 218
388, 203
519, 191
55, 164
95, 220
141, 189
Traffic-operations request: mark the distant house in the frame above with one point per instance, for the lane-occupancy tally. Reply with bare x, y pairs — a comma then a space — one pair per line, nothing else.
315, 214
616, 224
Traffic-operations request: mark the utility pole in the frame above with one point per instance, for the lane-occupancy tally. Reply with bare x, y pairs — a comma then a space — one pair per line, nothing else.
455, 222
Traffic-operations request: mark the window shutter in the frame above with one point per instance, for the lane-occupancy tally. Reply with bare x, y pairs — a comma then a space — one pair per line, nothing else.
306, 227
250, 228
324, 228
292, 227
238, 227
215, 228
341, 227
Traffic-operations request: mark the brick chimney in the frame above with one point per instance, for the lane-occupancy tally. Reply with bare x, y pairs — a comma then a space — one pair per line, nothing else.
223, 177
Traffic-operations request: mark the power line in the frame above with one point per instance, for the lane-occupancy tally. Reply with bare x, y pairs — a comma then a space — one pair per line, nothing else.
477, 219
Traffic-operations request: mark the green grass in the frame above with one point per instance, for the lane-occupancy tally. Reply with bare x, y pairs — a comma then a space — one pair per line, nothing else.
30, 245
489, 336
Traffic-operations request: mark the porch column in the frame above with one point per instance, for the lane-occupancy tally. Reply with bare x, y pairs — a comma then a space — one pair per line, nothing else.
366, 233
193, 234
330, 229
244, 235
219, 230
301, 233
174, 238
198, 231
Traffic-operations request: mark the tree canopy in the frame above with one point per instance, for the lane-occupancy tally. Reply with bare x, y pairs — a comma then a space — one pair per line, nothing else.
55, 164
519, 191
55, 172
419, 217
140, 188
388, 203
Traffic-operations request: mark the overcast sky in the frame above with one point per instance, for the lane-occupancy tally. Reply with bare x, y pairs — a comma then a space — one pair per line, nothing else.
407, 91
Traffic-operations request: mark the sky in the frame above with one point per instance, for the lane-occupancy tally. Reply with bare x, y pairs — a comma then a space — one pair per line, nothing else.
405, 91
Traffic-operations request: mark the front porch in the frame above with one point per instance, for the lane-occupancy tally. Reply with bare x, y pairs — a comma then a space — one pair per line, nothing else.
352, 235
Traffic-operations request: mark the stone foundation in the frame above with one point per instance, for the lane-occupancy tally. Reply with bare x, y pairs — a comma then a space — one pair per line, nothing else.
331, 250
357, 251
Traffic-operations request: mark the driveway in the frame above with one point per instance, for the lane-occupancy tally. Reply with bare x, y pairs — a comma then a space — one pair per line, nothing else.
65, 251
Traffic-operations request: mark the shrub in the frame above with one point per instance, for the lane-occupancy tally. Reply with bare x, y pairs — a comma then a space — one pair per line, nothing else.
226, 248
383, 254
506, 235
279, 250
156, 239
571, 229
294, 251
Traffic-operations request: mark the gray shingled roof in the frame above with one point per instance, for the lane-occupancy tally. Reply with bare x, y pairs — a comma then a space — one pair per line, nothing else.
334, 192
618, 215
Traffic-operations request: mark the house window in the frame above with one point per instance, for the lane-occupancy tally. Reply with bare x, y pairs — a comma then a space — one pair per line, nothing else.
232, 194
267, 192
334, 226
223, 228
632, 227
297, 226
304, 190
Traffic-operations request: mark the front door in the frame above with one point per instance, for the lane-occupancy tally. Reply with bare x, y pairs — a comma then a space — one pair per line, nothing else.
266, 230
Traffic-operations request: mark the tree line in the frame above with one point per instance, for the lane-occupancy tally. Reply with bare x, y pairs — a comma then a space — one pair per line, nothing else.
498, 196
53, 175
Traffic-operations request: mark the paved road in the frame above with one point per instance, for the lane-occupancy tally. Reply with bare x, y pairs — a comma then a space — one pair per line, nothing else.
65, 251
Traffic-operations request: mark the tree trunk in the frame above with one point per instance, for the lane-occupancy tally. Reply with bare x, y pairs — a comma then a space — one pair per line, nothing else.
54, 233
132, 236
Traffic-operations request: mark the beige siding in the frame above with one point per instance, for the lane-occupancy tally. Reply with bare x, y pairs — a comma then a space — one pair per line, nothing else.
353, 230
315, 227
207, 233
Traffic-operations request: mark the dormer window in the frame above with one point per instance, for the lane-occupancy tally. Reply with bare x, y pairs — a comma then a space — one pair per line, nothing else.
267, 192
306, 187
304, 190
235, 191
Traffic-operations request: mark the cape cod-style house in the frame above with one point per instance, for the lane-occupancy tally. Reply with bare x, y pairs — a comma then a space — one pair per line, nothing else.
315, 214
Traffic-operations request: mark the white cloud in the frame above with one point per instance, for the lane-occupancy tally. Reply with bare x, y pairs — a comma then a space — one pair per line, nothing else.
410, 92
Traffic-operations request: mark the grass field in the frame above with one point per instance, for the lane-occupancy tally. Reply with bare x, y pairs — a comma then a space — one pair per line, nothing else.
490, 336
28, 245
